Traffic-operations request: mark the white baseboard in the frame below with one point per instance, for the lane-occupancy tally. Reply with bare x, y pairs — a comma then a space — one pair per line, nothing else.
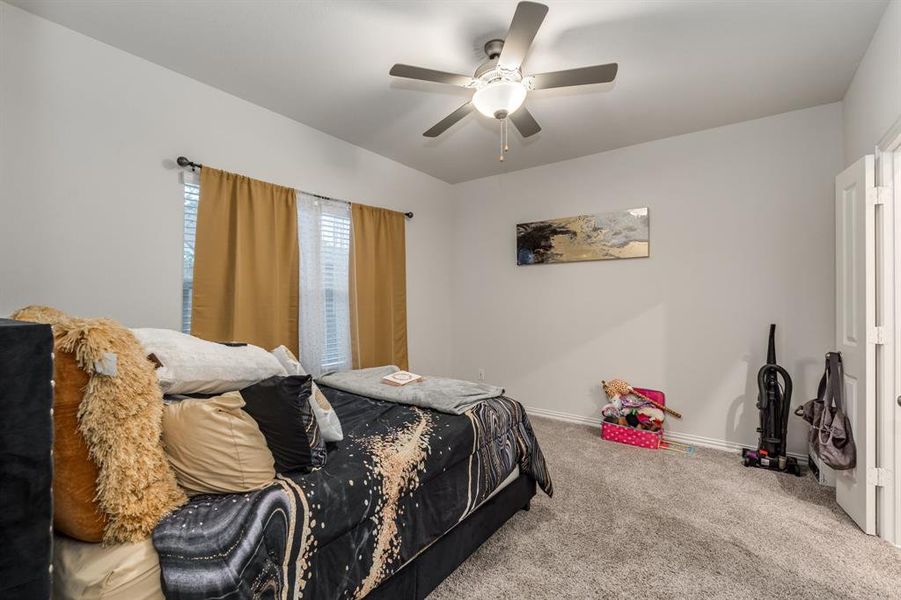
562, 416
675, 436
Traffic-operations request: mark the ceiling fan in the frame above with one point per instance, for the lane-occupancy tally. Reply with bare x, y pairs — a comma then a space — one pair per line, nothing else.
499, 84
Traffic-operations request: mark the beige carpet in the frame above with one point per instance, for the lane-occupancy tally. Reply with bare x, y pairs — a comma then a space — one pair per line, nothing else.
641, 524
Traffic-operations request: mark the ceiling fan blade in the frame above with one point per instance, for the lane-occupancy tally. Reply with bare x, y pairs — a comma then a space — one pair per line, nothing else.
423, 74
526, 21
445, 123
525, 122
570, 77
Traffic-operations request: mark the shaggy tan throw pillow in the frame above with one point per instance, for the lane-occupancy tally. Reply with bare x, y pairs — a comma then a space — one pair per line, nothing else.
120, 420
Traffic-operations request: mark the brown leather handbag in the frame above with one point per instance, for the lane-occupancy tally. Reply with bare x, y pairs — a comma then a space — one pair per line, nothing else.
830, 433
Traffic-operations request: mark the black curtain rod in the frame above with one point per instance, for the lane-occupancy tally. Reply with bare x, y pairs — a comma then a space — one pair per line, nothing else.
189, 164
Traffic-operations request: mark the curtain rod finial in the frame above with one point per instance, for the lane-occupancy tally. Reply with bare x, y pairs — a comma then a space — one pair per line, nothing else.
184, 162
409, 215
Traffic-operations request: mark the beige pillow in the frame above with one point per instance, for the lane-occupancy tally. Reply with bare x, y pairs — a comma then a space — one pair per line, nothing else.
85, 571
215, 447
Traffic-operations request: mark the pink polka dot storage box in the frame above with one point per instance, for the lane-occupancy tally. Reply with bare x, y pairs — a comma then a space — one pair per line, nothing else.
635, 437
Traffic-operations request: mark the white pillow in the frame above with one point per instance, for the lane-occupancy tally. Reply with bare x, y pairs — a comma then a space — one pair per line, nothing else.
329, 425
190, 365
288, 361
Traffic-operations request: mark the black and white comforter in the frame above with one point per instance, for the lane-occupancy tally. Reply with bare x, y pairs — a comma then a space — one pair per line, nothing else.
402, 477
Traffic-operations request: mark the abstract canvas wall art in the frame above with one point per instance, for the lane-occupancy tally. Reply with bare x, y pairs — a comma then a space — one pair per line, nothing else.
620, 234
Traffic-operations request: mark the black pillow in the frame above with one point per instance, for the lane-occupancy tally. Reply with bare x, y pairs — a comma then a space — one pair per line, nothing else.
281, 407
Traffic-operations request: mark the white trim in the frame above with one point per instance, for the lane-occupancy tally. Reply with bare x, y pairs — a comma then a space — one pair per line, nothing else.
891, 141
562, 416
888, 498
682, 438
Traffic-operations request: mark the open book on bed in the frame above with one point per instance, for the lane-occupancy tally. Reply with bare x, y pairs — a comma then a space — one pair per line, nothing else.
400, 378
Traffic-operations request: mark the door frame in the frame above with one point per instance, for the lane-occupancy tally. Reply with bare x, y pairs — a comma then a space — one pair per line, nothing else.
888, 375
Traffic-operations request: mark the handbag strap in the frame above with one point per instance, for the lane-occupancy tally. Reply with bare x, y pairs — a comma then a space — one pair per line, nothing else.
821, 388
836, 379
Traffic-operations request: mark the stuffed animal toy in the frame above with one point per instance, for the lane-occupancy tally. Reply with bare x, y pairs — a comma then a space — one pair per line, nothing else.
619, 387
631, 408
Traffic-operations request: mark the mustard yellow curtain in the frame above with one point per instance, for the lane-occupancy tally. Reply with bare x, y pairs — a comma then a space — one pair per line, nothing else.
246, 261
378, 288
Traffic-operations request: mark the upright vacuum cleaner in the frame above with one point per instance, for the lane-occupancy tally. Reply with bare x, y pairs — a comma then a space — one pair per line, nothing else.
774, 403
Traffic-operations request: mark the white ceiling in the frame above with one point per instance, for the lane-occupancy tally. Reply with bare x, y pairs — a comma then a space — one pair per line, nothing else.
684, 65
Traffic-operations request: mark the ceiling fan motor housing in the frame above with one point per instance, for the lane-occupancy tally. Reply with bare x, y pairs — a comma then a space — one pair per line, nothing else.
493, 48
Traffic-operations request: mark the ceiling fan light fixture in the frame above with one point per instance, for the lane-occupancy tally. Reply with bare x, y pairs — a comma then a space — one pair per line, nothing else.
499, 98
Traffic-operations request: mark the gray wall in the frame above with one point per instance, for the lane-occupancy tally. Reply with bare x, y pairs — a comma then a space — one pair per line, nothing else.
872, 103
742, 232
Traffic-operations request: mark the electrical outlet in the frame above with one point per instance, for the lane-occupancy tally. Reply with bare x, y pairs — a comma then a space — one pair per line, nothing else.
481, 374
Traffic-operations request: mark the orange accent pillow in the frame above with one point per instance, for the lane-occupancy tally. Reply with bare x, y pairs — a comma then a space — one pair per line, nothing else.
75, 513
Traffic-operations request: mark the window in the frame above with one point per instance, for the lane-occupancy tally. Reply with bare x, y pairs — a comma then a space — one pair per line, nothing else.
335, 239
192, 196
324, 232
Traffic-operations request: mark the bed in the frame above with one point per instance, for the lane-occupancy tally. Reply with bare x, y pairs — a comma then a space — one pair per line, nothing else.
402, 501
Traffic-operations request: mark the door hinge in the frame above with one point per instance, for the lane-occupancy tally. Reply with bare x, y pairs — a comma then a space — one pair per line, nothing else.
879, 194
880, 477
876, 335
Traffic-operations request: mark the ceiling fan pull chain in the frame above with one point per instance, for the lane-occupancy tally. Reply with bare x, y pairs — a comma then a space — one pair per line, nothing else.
506, 133
501, 155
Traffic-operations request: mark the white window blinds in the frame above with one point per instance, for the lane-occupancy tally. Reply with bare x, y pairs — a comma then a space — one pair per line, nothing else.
324, 238
192, 195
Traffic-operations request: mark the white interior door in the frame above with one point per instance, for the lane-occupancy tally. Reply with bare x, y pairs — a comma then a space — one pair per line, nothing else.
856, 333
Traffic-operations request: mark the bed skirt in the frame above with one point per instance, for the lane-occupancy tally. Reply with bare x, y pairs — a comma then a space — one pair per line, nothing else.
434, 564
